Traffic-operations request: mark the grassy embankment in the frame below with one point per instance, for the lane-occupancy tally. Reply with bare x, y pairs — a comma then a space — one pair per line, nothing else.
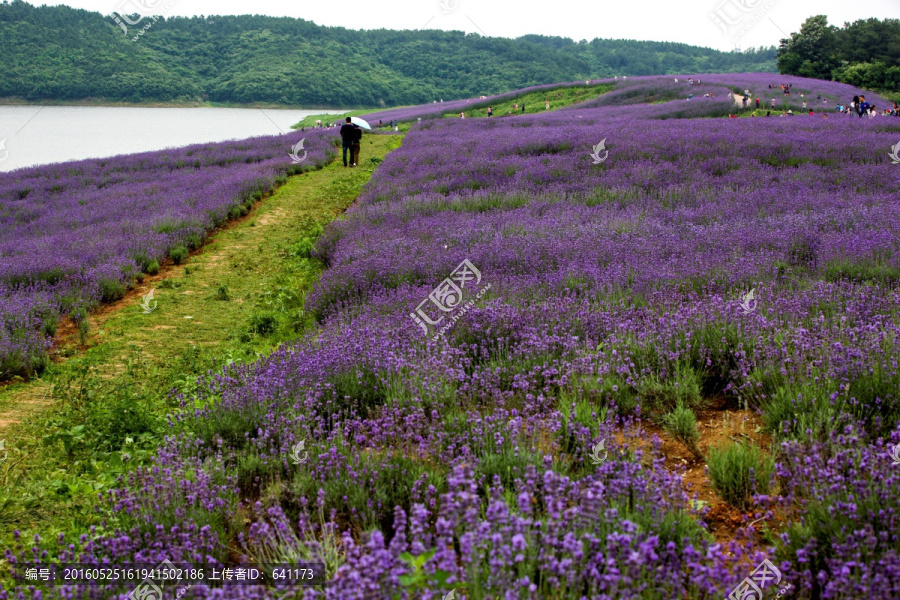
310, 121
535, 102
70, 433
558, 98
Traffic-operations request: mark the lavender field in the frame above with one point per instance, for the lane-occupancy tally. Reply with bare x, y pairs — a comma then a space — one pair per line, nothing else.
73, 235
516, 325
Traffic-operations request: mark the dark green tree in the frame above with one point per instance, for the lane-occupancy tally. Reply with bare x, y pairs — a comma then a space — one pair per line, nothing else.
865, 53
811, 53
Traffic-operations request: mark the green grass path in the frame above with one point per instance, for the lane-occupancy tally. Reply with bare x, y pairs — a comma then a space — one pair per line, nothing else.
89, 418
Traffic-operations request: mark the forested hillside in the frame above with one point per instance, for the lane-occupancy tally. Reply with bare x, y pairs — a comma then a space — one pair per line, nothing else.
864, 53
61, 53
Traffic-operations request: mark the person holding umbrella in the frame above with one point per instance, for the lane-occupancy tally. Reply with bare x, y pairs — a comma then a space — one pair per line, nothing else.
358, 126
348, 134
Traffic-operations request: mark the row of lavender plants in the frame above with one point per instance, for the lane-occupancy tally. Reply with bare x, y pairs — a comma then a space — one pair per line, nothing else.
820, 95
646, 91
75, 234
438, 109
507, 458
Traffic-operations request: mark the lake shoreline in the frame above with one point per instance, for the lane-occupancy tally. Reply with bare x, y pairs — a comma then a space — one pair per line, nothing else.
19, 101
32, 135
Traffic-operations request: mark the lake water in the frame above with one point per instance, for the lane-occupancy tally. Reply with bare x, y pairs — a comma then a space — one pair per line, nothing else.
35, 135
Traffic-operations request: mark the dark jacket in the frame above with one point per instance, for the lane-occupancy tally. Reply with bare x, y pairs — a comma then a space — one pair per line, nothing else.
348, 133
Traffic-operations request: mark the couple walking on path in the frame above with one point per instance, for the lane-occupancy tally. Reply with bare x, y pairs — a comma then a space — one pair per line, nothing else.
350, 138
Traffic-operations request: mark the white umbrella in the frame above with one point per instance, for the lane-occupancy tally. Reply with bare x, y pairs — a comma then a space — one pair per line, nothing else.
360, 122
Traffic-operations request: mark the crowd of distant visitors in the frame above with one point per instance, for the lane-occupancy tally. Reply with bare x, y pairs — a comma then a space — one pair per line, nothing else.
859, 106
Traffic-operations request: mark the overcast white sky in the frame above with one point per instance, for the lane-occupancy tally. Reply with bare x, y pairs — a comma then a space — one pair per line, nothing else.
756, 22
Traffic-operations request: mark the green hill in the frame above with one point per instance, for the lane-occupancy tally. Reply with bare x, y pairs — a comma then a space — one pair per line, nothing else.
65, 54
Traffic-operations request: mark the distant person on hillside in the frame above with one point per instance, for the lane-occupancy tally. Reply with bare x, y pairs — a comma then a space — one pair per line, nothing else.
864, 106
347, 136
523, 109
757, 103
355, 144
773, 103
490, 111
547, 105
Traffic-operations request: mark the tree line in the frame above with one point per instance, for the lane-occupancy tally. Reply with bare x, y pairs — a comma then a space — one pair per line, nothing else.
62, 53
865, 53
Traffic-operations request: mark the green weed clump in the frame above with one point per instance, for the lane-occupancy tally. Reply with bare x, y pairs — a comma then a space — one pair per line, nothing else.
79, 317
111, 289
222, 293
738, 471
683, 388
681, 424
263, 324
178, 254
